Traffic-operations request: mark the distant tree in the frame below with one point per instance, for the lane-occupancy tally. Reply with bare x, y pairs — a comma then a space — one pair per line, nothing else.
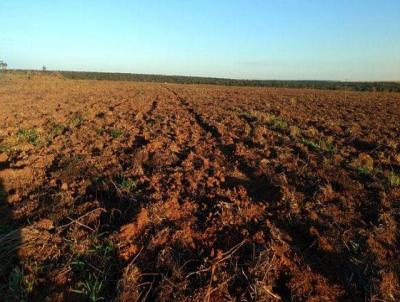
44, 69
3, 65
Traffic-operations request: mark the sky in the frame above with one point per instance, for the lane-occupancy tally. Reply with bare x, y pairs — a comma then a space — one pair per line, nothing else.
356, 40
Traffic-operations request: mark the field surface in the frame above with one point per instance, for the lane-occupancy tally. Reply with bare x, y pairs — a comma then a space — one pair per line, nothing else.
124, 191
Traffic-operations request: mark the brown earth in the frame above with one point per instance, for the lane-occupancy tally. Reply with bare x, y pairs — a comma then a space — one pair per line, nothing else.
128, 191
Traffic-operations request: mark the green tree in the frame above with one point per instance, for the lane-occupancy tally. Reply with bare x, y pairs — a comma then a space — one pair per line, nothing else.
3, 65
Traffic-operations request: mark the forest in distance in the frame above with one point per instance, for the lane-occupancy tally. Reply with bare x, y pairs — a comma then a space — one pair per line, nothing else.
383, 86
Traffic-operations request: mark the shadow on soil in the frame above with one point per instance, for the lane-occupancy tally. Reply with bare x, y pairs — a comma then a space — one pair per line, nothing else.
11, 275
338, 266
175, 269
64, 272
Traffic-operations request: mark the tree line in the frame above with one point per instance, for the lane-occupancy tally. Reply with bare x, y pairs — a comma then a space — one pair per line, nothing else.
328, 85
331, 85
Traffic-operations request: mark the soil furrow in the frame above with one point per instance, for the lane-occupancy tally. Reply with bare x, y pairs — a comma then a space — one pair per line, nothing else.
194, 192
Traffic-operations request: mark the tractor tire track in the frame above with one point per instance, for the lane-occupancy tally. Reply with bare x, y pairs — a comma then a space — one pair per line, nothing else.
259, 187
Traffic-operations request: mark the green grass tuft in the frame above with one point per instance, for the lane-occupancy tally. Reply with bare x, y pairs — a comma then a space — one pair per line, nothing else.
278, 124
19, 286
363, 171
76, 120
57, 130
91, 289
127, 184
30, 136
394, 179
116, 133
319, 146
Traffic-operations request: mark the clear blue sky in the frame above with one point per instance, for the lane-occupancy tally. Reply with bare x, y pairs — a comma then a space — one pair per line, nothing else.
275, 39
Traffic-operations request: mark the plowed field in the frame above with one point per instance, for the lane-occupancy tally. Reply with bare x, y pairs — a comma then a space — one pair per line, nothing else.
127, 191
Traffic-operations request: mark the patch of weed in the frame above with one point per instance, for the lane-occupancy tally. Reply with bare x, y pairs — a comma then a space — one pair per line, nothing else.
278, 124
363, 165
394, 179
126, 184
246, 115
312, 145
19, 285
319, 146
363, 171
328, 147
57, 130
100, 131
4, 148
78, 265
91, 288
30, 136
11, 151
116, 133
76, 120
103, 249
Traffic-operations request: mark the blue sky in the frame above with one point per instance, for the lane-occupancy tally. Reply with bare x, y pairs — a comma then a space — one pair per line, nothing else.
255, 39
